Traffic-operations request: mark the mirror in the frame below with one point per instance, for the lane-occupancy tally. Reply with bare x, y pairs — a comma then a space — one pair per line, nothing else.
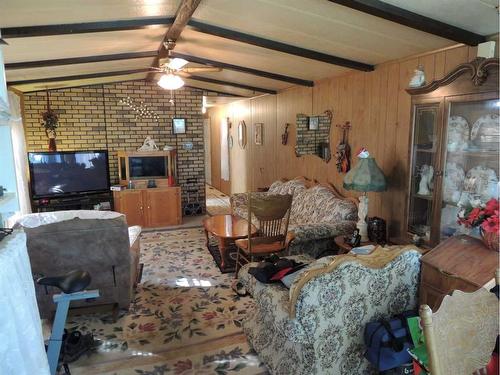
313, 135
242, 134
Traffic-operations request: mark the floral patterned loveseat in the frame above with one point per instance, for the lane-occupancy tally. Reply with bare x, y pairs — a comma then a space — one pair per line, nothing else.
318, 214
316, 326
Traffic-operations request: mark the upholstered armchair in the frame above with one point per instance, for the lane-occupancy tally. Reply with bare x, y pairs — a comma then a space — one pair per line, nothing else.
95, 241
318, 215
316, 326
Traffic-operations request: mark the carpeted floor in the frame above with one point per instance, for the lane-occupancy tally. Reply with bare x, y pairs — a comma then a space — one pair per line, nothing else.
217, 202
185, 319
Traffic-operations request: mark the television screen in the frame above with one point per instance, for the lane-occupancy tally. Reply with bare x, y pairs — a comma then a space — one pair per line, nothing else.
147, 166
68, 172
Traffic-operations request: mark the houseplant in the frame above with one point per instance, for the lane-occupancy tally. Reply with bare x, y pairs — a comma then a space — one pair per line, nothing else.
50, 123
486, 218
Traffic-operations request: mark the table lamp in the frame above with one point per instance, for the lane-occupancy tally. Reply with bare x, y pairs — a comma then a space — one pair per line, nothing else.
365, 176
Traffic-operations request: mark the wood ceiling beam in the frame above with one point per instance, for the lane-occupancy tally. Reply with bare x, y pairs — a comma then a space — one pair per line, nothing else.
222, 93
243, 69
79, 76
80, 60
87, 27
233, 84
278, 46
182, 17
416, 21
55, 87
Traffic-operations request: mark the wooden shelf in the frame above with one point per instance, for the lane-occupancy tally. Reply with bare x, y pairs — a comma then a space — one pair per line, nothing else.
487, 154
426, 197
426, 150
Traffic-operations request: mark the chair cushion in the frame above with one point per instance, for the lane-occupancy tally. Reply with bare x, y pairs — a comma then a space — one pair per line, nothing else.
264, 248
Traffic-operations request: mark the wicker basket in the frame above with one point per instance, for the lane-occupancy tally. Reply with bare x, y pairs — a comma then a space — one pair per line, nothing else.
490, 239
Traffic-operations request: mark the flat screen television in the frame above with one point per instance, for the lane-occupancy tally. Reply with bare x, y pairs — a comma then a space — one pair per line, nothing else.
66, 173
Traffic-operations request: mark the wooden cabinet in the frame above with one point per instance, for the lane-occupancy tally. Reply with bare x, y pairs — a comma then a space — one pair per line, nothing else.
454, 149
156, 207
458, 263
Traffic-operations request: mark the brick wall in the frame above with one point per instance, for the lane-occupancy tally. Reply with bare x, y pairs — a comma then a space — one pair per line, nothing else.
92, 118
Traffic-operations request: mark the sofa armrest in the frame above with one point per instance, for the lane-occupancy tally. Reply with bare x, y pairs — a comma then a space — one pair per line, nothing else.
319, 231
377, 259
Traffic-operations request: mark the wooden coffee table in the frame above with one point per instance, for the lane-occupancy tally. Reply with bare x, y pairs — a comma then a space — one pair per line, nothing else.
227, 229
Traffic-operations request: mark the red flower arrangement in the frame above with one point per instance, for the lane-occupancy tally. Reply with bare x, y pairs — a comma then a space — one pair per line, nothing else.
486, 218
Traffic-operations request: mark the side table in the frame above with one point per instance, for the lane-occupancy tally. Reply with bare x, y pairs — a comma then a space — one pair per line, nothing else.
344, 247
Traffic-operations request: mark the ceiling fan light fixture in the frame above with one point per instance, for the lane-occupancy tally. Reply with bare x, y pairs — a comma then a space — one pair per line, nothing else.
170, 82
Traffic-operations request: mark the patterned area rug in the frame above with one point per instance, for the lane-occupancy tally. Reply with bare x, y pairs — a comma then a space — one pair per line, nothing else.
185, 319
217, 202
230, 266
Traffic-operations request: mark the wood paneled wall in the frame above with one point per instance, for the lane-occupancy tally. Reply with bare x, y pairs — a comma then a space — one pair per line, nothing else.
378, 108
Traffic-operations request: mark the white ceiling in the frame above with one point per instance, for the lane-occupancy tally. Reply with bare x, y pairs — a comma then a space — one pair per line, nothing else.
478, 16
317, 25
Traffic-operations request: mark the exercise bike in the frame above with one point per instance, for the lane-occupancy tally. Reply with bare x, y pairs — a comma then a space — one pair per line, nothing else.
72, 286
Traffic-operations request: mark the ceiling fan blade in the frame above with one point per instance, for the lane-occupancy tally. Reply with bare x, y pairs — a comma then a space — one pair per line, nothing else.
201, 70
177, 63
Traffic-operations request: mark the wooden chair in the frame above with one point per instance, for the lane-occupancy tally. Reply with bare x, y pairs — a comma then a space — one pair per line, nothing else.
273, 214
461, 335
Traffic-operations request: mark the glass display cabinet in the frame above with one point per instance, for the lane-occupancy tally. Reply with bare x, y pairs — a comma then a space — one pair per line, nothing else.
454, 149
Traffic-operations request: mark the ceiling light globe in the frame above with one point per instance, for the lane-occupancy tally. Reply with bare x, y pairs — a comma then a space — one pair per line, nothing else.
170, 82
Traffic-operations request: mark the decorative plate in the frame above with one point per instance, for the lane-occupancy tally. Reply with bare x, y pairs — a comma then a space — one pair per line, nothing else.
486, 132
458, 133
481, 181
454, 177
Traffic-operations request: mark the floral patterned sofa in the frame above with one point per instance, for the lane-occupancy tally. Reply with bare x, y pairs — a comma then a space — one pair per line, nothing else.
316, 326
318, 214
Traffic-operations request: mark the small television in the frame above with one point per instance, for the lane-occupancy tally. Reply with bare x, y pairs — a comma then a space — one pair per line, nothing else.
139, 166
65, 173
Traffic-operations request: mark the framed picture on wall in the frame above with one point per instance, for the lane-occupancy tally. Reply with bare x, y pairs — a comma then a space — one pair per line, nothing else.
313, 123
178, 125
259, 129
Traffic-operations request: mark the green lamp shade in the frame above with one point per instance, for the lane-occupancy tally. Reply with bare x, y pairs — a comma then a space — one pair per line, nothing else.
365, 176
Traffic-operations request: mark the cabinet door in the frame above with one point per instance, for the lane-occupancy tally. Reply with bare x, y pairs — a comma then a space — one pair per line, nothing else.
471, 155
163, 207
424, 167
132, 206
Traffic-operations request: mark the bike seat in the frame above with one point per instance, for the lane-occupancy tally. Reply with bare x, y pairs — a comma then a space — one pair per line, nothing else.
72, 282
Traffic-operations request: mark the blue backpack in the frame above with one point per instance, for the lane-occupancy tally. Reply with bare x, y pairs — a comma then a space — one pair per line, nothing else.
388, 341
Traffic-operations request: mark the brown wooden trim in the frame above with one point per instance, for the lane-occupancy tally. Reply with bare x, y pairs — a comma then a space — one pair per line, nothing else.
416, 21
478, 70
87, 27
79, 76
80, 60
278, 46
243, 69
182, 16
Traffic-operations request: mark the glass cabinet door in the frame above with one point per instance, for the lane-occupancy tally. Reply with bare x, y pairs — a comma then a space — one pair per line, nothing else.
423, 164
471, 159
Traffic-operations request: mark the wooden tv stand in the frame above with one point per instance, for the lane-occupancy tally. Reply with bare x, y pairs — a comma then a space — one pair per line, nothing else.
150, 207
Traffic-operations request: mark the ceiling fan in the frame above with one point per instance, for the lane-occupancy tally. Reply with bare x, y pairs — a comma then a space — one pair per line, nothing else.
175, 68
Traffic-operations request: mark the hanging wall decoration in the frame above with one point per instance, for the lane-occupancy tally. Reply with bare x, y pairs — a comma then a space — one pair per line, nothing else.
141, 110
343, 153
50, 123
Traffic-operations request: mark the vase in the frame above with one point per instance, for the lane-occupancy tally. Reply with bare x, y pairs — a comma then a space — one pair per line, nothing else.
52, 145
490, 239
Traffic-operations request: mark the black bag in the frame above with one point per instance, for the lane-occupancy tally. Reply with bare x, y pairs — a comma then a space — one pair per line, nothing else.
388, 341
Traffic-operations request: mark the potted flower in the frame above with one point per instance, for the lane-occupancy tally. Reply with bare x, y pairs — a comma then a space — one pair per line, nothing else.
50, 122
485, 217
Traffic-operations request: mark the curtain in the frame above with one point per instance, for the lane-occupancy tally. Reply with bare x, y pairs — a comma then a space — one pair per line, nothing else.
22, 349
19, 149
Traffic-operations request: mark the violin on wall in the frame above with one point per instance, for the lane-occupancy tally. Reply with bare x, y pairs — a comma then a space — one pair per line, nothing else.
343, 150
